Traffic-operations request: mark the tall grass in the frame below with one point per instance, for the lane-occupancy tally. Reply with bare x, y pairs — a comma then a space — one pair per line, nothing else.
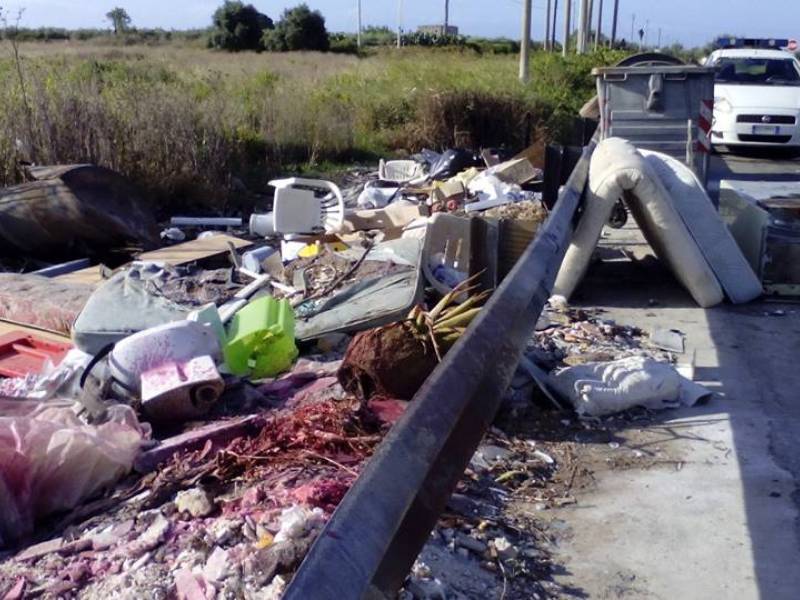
198, 129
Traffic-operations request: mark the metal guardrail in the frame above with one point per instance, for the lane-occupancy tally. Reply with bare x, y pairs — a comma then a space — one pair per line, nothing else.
370, 543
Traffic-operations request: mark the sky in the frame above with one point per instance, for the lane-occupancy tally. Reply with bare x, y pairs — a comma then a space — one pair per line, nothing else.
690, 22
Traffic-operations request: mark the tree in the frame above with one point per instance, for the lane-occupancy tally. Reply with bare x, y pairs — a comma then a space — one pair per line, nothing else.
238, 27
300, 28
119, 19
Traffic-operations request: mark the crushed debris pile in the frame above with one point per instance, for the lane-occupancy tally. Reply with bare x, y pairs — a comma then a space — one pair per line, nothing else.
258, 373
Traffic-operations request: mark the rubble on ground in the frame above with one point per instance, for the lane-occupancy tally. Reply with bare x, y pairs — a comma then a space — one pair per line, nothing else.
249, 374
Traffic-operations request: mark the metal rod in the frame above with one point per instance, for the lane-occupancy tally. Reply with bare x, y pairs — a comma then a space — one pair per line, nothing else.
525, 42
582, 22
358, 35
399, 23
553, 28
206, 221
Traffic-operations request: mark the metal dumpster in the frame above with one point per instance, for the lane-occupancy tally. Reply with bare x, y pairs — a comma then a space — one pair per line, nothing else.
663, 108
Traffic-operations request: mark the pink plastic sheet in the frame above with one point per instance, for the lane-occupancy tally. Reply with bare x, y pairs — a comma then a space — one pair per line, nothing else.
50, 460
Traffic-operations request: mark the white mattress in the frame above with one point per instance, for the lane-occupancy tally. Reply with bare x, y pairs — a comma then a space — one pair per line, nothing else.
709, 232
618, 170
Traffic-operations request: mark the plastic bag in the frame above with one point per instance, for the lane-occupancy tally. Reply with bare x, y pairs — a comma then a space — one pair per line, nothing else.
50, 461
452, 162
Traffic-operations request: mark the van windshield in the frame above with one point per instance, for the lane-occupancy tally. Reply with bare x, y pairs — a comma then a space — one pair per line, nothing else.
758, 71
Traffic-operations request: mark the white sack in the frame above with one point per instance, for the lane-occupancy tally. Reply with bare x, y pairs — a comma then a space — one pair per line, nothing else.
605, 388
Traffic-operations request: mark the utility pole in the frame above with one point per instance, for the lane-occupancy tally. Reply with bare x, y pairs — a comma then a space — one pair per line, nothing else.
446, 15
358, 36
572, 16
567, 28
399, 23
599, 25
553, 29
659, 38
614, 23
633, 26
525, 42
582, 25
547, 27
589, 19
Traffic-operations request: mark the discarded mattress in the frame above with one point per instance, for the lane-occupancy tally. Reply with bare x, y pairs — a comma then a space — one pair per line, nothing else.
618, 170
373, 301
40, 301
123, 305
71, 204
709, 232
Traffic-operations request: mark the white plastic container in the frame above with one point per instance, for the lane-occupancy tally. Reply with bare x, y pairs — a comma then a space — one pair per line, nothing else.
178, 341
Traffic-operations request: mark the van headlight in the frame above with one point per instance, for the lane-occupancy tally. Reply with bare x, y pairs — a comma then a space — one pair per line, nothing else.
721, 104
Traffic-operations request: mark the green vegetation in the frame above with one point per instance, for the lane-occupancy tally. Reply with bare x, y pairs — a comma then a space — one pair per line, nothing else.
238, 26
300, 28
120, 20
198, 128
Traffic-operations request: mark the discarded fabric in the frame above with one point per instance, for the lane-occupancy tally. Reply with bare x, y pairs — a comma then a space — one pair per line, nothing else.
598, 389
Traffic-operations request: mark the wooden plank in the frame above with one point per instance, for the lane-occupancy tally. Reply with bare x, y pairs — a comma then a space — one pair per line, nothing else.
11, 326
179, 254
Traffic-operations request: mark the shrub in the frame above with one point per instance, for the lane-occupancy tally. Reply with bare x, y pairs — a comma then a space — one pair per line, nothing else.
238, 27
421, 38
192, 129
343, 43
300, 28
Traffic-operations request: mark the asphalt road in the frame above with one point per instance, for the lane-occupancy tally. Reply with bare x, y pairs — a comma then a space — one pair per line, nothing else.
727, 523
753, 164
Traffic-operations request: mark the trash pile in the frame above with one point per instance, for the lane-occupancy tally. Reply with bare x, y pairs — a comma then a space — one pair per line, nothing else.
184, 424
600, 368
483, 546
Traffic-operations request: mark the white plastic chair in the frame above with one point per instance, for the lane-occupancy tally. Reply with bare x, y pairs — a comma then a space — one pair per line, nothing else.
399, 171
307, 206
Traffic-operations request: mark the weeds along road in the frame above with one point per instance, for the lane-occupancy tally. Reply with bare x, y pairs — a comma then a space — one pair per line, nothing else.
710, 510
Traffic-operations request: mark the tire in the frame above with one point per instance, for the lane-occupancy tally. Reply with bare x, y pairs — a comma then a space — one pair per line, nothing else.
619, 216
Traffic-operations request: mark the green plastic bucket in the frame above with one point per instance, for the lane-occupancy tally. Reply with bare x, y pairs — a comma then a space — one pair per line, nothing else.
261, 339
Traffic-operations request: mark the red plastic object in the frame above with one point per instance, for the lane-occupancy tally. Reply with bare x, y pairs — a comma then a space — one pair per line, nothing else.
22, 353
